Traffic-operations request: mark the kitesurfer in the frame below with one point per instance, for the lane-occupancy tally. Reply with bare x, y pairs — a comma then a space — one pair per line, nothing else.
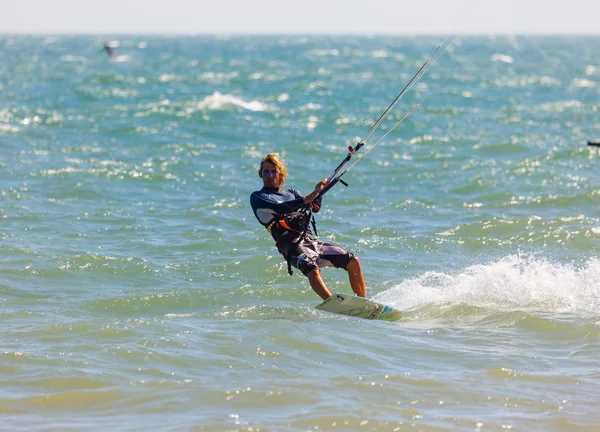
284, 214
109, 49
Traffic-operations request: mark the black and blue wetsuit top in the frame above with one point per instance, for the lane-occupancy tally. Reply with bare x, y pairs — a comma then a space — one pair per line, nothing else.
271, 205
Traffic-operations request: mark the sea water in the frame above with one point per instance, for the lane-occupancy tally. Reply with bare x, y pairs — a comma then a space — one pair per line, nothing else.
138, 291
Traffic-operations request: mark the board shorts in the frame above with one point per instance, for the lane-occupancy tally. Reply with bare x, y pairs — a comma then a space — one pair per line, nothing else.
311, 254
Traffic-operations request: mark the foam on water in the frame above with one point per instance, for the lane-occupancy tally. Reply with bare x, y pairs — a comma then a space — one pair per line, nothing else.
502, 58
218, 101
523, 282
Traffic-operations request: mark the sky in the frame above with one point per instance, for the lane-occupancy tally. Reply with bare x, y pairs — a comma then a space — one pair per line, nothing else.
120, 17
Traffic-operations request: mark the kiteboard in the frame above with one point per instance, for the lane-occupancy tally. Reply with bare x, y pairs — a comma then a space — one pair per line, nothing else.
358, 307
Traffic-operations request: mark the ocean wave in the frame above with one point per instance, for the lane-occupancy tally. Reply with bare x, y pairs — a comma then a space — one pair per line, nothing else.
7, 128
515, 282
223, 102
526, 229
561, 106
168, 304
526, 81
503, 58
583, 83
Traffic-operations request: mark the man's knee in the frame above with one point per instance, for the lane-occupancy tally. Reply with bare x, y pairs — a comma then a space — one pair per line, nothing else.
354, 263
314, 273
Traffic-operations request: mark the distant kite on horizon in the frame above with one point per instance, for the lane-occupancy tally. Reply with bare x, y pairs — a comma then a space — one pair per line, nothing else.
110, 48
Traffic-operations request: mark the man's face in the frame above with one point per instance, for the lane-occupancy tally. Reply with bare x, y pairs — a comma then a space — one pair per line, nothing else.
269, 175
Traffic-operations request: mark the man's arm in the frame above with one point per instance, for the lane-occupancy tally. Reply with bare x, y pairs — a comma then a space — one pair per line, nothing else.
314, 196
267, 206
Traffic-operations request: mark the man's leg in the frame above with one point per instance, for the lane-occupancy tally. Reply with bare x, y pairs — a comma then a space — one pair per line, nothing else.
317, 284
357, 281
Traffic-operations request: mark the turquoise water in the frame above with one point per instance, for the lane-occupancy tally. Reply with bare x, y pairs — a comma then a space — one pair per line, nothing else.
138, 292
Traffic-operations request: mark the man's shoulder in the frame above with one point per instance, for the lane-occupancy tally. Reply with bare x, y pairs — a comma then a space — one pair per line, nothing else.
265, 191
262, 192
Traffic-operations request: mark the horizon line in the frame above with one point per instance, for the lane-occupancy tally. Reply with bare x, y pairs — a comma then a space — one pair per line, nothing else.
280, 34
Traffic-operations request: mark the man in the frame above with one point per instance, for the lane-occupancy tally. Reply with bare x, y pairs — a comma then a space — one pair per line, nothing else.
109, 48
283, 213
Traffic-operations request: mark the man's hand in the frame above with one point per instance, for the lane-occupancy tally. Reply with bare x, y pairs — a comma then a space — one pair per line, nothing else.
318, 188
